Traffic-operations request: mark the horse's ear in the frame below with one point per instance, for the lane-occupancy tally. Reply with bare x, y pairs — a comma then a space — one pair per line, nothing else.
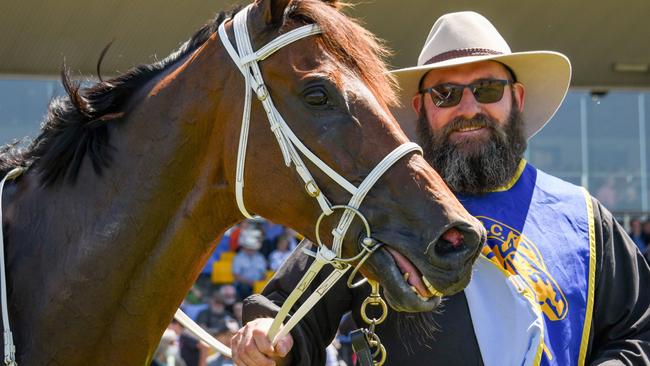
272, 10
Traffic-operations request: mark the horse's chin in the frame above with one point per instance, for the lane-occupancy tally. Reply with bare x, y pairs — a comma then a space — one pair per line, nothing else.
399, 294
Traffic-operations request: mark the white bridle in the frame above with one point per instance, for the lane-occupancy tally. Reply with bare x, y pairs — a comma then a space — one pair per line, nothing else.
247, 61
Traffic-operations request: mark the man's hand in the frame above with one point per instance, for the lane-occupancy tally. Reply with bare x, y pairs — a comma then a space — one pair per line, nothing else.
251, 345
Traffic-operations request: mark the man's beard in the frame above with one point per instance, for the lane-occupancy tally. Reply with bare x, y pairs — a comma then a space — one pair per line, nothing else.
485, 165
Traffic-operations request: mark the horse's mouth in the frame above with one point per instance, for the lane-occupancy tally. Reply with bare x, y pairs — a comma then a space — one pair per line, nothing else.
416, 281
405, 285
414, 276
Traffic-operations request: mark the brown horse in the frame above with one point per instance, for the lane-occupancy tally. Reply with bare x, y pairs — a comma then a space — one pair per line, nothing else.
131, 180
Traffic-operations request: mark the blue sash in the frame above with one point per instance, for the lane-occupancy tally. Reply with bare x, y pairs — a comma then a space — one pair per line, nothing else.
541, 228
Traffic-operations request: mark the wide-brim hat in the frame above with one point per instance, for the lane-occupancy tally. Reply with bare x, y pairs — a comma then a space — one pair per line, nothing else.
468, 37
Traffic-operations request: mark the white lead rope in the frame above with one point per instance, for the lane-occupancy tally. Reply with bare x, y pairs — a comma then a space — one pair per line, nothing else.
323, 256
196, 329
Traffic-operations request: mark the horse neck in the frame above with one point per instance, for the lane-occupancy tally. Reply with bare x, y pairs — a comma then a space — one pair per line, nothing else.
112, 256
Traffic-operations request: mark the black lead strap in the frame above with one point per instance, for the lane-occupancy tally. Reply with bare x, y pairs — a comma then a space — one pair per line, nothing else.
361, 347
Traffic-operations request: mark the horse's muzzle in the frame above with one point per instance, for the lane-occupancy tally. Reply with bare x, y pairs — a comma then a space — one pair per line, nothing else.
455, 250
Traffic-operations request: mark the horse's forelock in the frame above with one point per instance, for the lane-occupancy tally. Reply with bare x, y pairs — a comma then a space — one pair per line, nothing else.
349, 43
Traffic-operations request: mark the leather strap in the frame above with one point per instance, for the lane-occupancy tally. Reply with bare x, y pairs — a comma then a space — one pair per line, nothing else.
9, 347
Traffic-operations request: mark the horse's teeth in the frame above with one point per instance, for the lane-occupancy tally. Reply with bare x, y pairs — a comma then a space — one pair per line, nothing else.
414, 290
406, 276
430, 287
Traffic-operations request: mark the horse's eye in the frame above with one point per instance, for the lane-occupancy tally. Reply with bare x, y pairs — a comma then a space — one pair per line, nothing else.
316, 97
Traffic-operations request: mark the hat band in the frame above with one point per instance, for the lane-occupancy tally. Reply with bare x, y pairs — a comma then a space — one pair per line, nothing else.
463, 52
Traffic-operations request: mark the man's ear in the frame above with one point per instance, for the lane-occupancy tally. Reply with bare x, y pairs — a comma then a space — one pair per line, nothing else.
272, 10
416, 103
520, 94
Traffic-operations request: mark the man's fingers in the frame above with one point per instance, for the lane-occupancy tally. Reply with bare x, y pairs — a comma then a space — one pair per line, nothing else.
234, 345
247, 352
261, 339
283, 346
251, 346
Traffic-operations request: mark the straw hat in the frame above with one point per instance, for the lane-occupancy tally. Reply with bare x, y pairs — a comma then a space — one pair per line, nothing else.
467, 37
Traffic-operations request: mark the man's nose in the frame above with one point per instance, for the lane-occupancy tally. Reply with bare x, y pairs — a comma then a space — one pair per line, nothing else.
468, 106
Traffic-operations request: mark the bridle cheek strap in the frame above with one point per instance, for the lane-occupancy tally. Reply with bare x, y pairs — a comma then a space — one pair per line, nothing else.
9, 347
246, 61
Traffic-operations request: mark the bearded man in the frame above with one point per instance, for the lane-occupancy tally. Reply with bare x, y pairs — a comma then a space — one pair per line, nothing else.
559, 282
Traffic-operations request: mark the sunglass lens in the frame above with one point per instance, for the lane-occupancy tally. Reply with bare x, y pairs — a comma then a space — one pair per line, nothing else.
489, 92
451, 95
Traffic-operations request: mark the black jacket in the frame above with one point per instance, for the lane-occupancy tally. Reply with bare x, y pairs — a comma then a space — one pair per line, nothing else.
620, 332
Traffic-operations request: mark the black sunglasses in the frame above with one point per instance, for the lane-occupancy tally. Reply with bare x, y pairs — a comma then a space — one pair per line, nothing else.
485, 91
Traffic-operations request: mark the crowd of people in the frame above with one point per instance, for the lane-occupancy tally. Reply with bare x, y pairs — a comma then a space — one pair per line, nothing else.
259, 246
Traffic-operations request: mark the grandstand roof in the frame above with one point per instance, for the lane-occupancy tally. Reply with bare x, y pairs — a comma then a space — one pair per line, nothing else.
596, 35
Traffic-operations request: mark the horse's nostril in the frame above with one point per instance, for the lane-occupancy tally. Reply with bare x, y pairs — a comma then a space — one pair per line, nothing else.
454, 237
450, 242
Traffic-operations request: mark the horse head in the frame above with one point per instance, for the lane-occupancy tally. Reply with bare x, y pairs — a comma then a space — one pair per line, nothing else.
334, 92
132, 179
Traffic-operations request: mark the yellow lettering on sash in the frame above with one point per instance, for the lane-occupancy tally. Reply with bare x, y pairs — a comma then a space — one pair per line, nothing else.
516, 254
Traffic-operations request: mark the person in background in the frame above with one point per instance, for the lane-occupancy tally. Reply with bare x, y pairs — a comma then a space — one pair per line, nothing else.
636, 233
236, 231
228, 294
249, 265
216, 314
191, 350
280, 254
645, 228
223, 335
167, 353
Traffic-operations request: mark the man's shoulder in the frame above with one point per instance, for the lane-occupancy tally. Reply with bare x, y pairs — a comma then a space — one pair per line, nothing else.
552, 181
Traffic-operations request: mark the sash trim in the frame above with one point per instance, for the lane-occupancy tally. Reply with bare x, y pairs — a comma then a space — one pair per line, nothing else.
584, 344
515, 177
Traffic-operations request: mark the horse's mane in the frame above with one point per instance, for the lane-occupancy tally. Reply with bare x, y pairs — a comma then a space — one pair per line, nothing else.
76, 124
